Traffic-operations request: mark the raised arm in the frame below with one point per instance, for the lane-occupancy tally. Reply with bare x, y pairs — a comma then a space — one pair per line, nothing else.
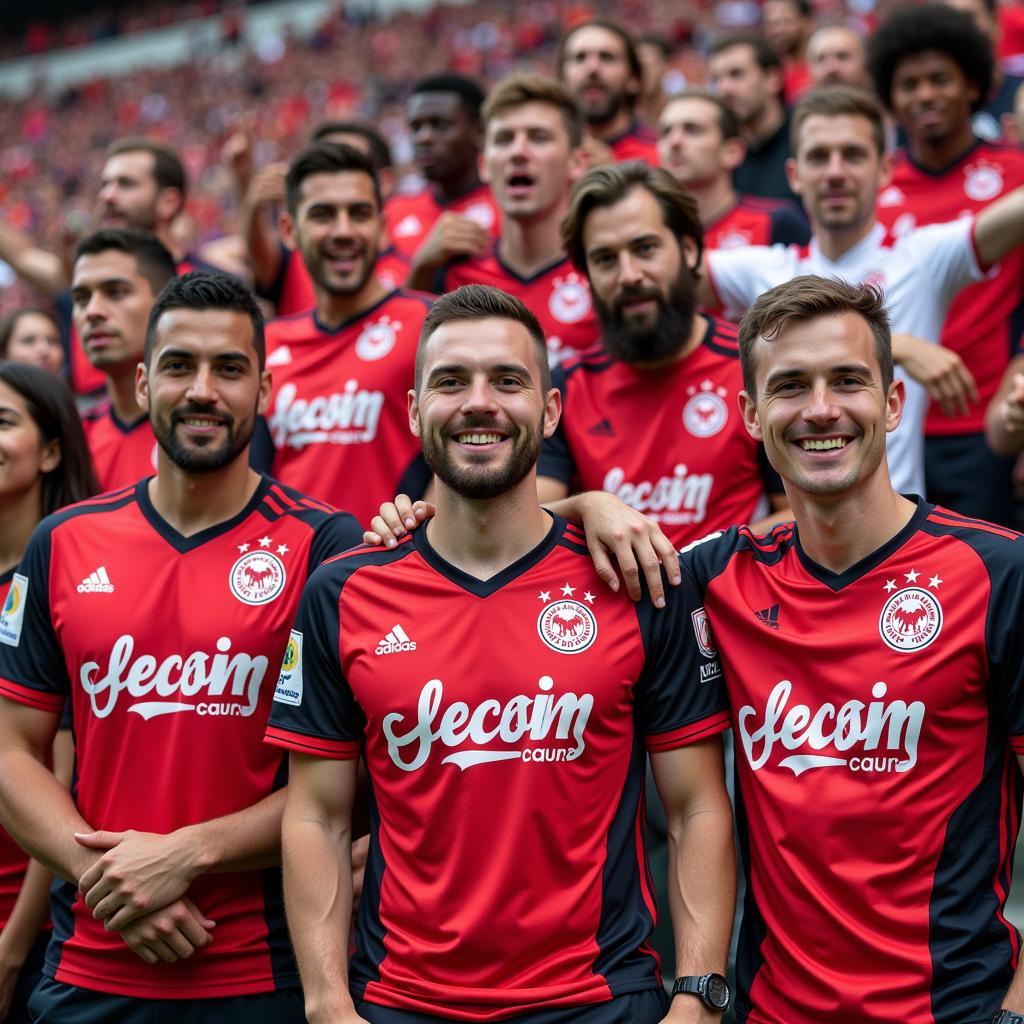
999, 228
42, 269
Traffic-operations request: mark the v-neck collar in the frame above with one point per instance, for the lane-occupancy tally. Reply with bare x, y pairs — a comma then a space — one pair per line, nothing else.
485, 588
180, 542
839, 580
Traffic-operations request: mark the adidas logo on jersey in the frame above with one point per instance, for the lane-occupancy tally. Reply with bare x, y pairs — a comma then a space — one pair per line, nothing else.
602, 428
97, 582
769, 616
396, 642
280, 356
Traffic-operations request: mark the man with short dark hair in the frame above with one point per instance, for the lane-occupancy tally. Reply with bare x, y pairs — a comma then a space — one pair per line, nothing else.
699, 142
158, 612
932, 66
787, 25
745, 71
336, 418
597, 61
116, 276
867, 648
836, 56
550, 925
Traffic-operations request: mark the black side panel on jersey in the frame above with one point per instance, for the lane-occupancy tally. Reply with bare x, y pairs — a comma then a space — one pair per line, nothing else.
62, 896
369, 931
626, 961
972, 945
753, 930
282, 958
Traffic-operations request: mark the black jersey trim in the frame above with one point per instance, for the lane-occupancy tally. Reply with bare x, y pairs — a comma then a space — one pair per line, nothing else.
109, 502
485, 588
714, 338
107, 412
942, 171
183, 544
837, 581
521, 278
321, 326
7, 575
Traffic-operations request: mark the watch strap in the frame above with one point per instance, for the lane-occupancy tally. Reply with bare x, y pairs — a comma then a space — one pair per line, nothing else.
1007, 1017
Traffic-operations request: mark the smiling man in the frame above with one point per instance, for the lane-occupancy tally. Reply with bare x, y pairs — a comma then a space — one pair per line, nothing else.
395, 661
867, 649
158, 611
532, 158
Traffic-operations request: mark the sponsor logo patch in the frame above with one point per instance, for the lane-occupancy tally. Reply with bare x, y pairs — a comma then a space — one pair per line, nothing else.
13, 613
289, 683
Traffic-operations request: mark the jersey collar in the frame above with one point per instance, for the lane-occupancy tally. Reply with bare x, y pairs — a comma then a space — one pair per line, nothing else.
485, 588
836, 581
852, 257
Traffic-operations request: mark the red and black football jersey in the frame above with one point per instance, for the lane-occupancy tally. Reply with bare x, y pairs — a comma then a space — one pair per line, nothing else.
638, 143
338, 420
876, 714
410, 217
754, 220
166, 646
558, 296
122, 453
293, 290
985, 318
670, 442
519, 707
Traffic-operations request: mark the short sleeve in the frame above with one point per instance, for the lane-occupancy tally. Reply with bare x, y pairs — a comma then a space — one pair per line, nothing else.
32, 666
338, 532
945, 253
555, 458
680, 696
314, 711
740, 275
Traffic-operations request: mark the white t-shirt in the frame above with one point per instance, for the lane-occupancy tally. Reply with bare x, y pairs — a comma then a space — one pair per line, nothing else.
920, 274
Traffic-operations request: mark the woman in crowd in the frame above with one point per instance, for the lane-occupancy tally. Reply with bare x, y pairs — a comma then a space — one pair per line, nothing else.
31, 336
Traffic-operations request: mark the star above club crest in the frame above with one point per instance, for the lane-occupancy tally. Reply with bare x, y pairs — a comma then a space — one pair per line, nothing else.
935, 582
890, 586
264, 542
282, 549
243, 548
545, 596
912, 576
568, 591
588, 597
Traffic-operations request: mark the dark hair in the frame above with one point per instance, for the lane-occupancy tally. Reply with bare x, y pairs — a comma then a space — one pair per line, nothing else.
202, 290
636, 69
380, 151
10, 321
657, 40
807, 298
765, 54
522, 87
327, 158
611, 183
469, 92
53, 411
482, 302
168, 170
152, 258
909, 31
837, 101
803, 7
728, 123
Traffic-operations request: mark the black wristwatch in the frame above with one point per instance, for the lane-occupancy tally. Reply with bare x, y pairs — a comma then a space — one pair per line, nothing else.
1007, 1017
712, 989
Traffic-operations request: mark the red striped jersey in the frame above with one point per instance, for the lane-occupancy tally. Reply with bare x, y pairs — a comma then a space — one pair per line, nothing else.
163, 644
754, 220
877, 713
637, 143
121, 452
410, 217
337, 417
986, 318
557, 295
517, 709
293, 290
670, 442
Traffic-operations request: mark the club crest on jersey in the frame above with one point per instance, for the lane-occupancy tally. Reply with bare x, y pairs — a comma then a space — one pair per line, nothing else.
706, 413
13, 612
377, 339
911, 619
734, 239
702, 631
567, 626
982, 182
257, 577
570, 299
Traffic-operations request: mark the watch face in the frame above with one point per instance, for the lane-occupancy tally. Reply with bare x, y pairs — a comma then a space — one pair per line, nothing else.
718, 992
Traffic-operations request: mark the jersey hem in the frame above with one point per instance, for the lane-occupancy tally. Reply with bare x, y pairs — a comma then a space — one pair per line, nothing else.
317, 746
33, 698
689, 733
218, 990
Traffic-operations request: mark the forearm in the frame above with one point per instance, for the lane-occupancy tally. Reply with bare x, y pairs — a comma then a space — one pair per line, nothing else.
39, 812
27, 917
245, 841
999, 228
1014, 999
318, 900
42, 269
421, 276
263, 243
